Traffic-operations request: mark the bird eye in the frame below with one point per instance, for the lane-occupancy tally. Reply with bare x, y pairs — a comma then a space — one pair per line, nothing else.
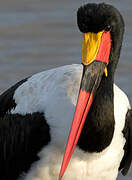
108, 28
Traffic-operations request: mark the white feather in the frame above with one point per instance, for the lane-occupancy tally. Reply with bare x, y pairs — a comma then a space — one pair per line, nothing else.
55, 92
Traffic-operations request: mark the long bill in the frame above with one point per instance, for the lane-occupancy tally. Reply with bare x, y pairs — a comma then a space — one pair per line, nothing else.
95, 58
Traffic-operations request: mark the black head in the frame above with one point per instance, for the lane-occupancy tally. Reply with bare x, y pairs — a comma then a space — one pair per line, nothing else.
98, 17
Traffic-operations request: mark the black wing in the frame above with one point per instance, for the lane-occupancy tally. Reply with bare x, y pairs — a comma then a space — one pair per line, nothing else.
6, 99
21, 138
127, 159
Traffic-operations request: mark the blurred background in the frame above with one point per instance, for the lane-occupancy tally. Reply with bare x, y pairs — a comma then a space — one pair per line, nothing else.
36, 35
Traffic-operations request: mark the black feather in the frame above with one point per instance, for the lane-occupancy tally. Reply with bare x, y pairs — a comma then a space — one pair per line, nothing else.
127, 131
6, 99
21, 138
98, 17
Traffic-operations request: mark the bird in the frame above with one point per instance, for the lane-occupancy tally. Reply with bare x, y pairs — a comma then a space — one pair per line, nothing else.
71, 122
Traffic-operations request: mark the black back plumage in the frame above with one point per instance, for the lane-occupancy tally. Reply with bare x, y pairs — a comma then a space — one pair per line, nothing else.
21, 137
6, 99
127, 132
